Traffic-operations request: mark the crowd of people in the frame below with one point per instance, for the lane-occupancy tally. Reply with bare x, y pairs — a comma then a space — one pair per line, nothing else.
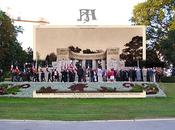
79, 74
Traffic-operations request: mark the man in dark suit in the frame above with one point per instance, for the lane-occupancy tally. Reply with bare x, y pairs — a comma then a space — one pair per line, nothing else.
80, 74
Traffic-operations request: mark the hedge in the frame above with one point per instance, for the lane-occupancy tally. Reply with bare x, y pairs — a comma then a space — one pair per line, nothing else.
168, 79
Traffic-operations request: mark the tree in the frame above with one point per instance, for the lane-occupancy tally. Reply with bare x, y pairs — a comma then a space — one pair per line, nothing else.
50, 58
29, 53
168, 47
133, 50
74, 49
9, 46
152, 59
88, 51
11, 51
158, 16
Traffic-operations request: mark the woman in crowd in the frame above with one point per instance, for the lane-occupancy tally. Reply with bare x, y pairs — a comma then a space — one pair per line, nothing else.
68, 74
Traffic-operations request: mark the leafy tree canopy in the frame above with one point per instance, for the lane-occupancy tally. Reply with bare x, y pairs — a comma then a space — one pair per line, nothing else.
159, 17
133, 50
11, 51
74, 49
50, 58
168, 47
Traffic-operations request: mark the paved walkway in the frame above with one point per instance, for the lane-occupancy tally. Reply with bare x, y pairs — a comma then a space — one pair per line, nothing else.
149, 124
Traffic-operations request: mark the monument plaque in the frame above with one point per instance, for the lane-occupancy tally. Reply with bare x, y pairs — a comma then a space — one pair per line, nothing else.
62, 54
113, 58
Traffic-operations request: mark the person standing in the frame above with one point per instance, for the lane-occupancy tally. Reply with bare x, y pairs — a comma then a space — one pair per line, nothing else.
47, 73
138, 74
39, 74
56, 76
121, 75
64, 75
80, 74
92, 75
151, 75
112, 75
71, 75
154, 74
95, 78
99, 74
42, 76
144, 73
52, 75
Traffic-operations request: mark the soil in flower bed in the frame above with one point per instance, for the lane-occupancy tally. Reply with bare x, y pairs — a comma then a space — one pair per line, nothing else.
79, 88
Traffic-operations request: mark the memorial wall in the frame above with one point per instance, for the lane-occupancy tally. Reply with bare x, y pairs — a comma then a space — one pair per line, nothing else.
49, 38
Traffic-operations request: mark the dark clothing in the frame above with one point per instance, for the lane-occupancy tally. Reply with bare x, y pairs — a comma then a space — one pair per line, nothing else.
133, 75
49, 77
125, 75
64, 76
173, 72
121, 75
71, 76
92, 75
80, 73
42, 76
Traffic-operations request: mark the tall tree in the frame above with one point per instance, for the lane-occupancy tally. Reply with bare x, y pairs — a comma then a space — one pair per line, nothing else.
50, 58
133, 50
11, 51
29, 53
158, 16
168, 47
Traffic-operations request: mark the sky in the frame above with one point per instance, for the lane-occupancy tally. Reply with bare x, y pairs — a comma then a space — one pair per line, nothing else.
66, 12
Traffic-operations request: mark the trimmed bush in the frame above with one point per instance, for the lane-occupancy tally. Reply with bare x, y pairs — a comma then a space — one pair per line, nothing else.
12, 89
168, 79
137, 88
9, 89
47, 90
106, 89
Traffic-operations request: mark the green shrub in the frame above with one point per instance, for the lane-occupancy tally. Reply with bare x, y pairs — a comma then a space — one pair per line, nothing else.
6, 76
1, 79
5, 86
168, 79
137, 88
13, 90
9, 89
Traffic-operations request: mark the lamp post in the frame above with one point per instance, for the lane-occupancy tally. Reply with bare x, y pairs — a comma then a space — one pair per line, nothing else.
138, 63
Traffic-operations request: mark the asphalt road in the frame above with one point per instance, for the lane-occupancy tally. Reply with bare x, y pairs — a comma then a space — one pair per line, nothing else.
158, 124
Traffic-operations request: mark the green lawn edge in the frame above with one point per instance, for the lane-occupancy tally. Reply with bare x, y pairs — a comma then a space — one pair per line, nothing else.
89, 109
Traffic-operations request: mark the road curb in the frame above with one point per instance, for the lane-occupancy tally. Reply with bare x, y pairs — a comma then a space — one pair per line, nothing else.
132, 120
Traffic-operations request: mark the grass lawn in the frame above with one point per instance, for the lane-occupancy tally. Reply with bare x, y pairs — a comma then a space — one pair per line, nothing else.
89, 109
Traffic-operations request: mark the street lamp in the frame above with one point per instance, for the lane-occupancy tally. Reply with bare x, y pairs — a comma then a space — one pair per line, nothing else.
138, 63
